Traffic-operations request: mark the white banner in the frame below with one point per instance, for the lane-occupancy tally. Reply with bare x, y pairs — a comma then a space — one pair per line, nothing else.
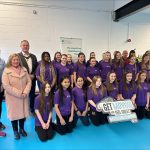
118, 111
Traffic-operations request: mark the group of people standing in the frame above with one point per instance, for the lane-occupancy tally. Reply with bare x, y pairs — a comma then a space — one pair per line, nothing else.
72, 89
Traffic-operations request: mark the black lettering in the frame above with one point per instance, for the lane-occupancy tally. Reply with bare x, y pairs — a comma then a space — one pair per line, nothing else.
107, 107
110, 107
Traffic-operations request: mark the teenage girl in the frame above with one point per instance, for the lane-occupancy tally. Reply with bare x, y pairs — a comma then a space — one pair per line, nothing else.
127, 88
95, 93
64, 107
43, 110
79, 97
142, 95
112, 85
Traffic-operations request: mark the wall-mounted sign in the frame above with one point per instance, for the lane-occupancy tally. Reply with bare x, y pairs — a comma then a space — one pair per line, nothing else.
118, 111
71, 46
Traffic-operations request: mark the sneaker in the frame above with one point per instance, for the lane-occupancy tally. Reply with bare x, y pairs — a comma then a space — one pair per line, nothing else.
2, 127
23, 132
2, 134
16, 135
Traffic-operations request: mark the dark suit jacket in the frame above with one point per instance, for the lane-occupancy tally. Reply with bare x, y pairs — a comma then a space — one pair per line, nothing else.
24, 63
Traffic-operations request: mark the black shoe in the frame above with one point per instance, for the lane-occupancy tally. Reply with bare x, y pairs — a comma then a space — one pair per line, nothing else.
2, 127
16, 135
23, 132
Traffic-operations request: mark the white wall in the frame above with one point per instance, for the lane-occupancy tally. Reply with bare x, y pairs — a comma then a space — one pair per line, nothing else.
136, 27
89, 20
120, 3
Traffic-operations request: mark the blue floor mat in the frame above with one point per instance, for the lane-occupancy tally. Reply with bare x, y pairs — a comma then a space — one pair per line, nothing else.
123, 136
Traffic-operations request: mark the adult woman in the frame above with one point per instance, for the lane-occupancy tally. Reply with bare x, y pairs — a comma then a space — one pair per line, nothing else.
17, 85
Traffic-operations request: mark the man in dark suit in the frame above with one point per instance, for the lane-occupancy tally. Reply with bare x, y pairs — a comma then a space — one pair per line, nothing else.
29, 61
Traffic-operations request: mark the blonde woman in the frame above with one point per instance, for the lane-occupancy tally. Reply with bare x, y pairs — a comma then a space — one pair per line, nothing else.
17, 85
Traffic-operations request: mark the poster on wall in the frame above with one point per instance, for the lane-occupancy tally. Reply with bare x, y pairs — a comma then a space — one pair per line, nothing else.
71, 46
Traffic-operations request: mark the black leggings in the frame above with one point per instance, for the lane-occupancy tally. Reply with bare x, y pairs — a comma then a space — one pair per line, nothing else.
15, 124
63, 129
140, 112
97, 118
43, 134
32, 95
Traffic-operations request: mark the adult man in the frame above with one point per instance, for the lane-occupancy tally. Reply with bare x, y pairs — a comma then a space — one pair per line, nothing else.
125, 56
29, 61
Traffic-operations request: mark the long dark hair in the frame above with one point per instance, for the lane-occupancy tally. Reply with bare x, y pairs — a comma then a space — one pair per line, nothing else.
132, 53
116, 62
125, 87
61, 90
56, 54
42, 100
135, 65
84, 88
43, 55
139, 79
144, 65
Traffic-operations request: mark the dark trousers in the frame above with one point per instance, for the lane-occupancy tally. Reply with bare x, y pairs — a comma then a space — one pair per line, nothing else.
1, 99
147, 114
15, 124
32, 95
63, 129
97, 118
84, 119
140, 112
43, 134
